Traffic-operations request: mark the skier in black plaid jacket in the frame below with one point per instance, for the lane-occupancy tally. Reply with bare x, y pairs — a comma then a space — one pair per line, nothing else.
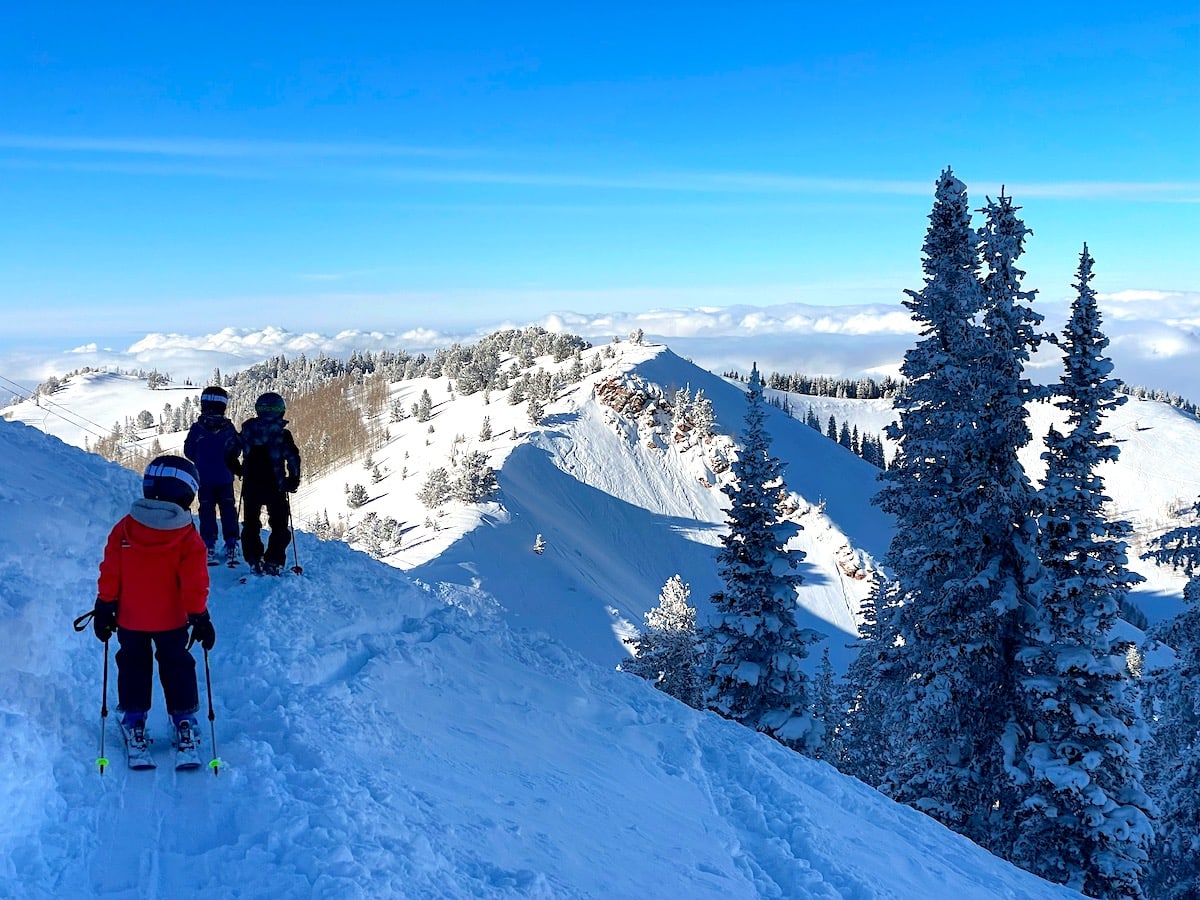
270, 463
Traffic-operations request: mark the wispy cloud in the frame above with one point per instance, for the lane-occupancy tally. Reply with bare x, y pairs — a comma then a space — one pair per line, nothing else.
768, 183
333, 277
248, 158
1145, 191
216, 148
690, 182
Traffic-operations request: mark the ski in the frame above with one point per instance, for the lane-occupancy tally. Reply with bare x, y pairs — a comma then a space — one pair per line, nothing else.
137, 746
187, 752
186, 760
245, 579
260, 570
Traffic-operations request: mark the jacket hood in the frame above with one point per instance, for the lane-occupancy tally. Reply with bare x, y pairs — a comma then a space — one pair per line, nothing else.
161, 515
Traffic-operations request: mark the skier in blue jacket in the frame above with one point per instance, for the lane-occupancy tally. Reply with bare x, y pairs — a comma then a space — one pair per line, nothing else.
208, 445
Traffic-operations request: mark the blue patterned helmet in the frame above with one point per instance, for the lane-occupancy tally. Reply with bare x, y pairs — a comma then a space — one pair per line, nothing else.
214, 400
171, 478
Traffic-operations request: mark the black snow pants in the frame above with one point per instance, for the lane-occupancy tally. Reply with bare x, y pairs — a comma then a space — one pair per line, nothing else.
176, 670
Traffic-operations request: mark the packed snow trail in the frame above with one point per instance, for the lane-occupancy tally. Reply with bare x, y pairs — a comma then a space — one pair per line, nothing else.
381, 742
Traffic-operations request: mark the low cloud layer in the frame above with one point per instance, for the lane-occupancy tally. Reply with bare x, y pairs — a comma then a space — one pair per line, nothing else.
1155, 341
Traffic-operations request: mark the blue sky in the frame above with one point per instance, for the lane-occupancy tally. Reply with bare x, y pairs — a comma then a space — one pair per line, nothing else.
328, 166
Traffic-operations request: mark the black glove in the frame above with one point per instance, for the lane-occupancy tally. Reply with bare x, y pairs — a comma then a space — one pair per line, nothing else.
203, 632
104, 618
236, 468
292, 483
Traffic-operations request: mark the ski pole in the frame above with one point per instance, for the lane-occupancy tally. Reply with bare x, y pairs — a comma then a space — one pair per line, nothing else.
101, 761
80, 624
215, 763
296, 567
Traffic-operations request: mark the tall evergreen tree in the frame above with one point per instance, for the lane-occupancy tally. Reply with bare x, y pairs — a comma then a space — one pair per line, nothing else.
756, 642
423, 408
666, 650
843, 437
1084, 821
1173, 695
827, 708
873, 689
963, 550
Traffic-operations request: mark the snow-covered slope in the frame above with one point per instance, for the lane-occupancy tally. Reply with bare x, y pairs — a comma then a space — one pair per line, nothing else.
1157, 474
381, 741
623, 508
621, 505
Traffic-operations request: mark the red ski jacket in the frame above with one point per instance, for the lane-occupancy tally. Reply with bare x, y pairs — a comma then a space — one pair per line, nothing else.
155, 567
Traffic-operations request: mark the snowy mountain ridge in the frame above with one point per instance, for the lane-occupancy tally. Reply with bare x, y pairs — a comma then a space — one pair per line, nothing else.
380, 739
606, 438
599, 468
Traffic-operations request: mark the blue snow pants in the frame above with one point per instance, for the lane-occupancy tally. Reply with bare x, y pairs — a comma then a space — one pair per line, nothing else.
214, 498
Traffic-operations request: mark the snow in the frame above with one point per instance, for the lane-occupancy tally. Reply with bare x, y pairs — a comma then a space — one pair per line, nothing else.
585, 479
381, 738
1157, 473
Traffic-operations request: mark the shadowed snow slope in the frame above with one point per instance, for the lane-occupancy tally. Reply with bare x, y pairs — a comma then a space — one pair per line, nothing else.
383, 741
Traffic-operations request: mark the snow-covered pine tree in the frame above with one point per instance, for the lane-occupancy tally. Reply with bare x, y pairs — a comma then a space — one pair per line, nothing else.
436, 489
962, 551
1084, 821
873, 689
423, 408
844, 438
1173, 696
477, 480
681, 406
535, 411
703, 416
827, 708
756, 642
666, 652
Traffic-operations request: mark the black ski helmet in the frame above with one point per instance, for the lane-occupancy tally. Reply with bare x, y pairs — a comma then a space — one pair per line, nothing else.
270, 404
171, 478
214, 400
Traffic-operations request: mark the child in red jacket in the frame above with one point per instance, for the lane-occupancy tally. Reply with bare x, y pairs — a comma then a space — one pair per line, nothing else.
153, 587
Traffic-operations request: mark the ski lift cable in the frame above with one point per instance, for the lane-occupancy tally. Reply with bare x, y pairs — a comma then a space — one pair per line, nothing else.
84, 424
57, 409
